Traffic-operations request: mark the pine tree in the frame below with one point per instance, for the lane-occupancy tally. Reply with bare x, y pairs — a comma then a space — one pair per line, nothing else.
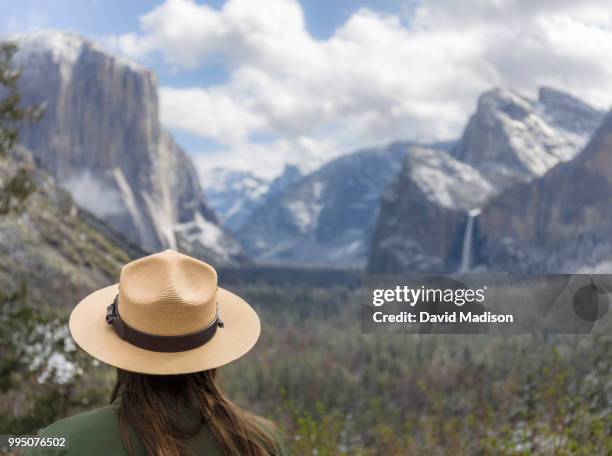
11, 113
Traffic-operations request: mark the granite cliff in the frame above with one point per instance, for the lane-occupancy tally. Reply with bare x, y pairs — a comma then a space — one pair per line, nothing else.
558, 223
102, 140
512, 138
424, 213
428, 220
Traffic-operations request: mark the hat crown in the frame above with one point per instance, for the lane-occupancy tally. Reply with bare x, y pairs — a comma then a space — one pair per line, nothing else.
168, 294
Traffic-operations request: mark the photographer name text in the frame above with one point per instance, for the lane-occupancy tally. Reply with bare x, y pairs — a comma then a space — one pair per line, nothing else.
411, 296
446, 317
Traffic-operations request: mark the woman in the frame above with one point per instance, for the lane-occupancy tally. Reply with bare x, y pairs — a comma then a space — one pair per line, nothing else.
167, 327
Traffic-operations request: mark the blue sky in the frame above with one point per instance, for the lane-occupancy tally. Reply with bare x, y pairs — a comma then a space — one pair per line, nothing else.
257, 84
103, 17
100, 18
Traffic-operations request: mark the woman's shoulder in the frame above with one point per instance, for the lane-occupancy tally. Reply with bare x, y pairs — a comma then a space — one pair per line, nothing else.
90, 433
98, 420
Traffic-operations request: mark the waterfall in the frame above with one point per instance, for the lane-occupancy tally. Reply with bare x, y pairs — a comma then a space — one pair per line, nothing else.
468, 237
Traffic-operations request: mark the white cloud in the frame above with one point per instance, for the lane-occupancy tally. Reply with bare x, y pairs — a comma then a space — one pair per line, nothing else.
94, 195
375, 80
264, 159
212, 113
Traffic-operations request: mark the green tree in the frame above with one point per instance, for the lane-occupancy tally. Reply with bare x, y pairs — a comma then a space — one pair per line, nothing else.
11, 113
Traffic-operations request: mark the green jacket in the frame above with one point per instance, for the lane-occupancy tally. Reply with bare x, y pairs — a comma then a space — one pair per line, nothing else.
97, 433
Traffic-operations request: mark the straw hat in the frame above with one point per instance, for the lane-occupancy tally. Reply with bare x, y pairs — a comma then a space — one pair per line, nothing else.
165, 316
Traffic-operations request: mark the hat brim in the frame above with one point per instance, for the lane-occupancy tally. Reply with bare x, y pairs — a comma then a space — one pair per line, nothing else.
90, 331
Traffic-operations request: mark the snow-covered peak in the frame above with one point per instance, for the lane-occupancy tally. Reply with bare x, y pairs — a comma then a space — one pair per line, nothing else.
568, 112
63, 45
290, 174
223, 179
327, 216
512, 138
64, 49
447, 181
506, 101
234, 194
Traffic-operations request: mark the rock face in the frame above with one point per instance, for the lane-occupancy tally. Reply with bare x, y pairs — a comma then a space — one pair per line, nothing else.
290, 175
512, 139
235, 194
102, 140
424, 213
558, 223
425, 223
326, 217
57, 251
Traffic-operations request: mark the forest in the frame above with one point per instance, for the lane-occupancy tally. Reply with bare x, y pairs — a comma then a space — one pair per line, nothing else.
333, 391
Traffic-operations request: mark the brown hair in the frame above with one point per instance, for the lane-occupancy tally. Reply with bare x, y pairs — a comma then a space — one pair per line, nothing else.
154, 406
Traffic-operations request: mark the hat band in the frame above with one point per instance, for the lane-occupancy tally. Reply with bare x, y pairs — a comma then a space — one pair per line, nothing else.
156, 343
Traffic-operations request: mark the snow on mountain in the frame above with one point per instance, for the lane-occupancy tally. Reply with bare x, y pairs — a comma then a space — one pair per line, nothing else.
329, 217
62, 48
235, 194
444, 180
424, 213
102, 140
287, 177
569, 113
510, 141
512, 138
559, 223
326, 217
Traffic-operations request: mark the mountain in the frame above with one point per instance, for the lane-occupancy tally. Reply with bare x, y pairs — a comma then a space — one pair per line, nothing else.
428, 217
47, 244
558, 223
102, 140
235, 194
326, 217
290, 175
512, 138
424, 213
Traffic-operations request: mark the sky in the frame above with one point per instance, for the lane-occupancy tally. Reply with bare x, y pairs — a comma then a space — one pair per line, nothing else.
257, 84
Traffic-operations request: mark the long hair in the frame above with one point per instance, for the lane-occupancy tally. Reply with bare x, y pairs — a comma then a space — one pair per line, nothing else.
155, 406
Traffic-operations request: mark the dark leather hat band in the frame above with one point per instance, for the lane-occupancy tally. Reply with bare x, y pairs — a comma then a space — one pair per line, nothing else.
153, 342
